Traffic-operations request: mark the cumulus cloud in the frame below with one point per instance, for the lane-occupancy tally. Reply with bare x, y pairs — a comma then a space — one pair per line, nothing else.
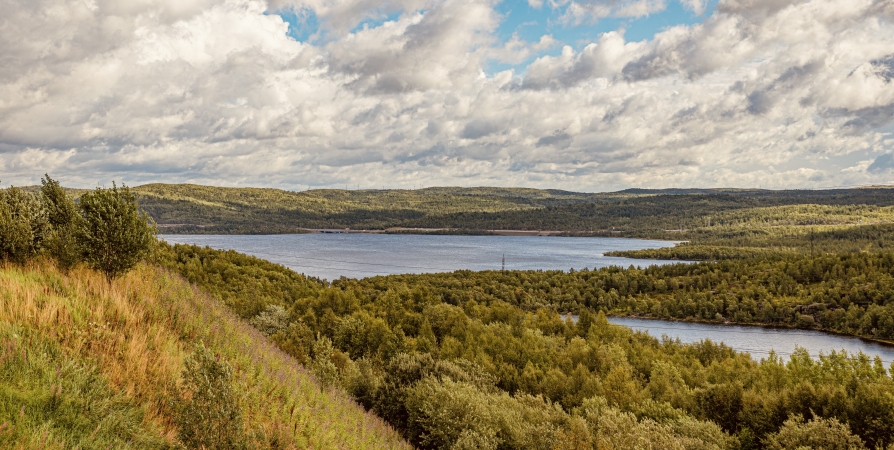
762, 92
696, 6
436, 49
602, 59
882, 163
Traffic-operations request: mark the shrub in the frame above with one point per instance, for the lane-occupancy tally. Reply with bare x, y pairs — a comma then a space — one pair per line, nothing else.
271, 320
613, 428
23, 225
827, 434
296, 340
322, 365
206, 408
445, 414
62, 214
115, 233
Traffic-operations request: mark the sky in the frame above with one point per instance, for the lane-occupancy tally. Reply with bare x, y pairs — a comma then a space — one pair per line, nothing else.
583, 95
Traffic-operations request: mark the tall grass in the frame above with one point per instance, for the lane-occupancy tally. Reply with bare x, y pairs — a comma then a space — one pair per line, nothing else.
89, 364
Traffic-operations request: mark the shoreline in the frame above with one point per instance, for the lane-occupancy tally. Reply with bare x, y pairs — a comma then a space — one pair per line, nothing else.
883, 342
170, 229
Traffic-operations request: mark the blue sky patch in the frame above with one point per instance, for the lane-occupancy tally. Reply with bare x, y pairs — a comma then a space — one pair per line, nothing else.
376, 22
302, 23
530, 24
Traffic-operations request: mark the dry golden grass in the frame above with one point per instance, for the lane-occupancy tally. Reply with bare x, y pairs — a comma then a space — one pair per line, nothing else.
136, 332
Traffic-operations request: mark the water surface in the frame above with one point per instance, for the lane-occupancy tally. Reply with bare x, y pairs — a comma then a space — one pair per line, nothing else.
331, 256
758, 341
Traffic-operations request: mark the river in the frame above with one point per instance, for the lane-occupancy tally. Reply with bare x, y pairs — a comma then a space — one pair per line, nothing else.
331, 256
758, 341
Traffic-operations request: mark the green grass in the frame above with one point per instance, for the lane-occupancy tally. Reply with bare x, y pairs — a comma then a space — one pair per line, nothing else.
86, 364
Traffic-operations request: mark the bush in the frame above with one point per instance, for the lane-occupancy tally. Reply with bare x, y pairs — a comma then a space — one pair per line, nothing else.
271, 320
826, 434
206, 409
23, 225
115, 234
322, 365
613, 428
62, 214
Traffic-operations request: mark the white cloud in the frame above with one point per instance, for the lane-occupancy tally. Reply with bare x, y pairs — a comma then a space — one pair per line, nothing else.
340, 16
603, 59
696, 6
761, 93
439, 48
589, 11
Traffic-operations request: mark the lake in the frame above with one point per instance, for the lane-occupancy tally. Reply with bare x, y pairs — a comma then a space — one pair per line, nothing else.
331, 256
758, 341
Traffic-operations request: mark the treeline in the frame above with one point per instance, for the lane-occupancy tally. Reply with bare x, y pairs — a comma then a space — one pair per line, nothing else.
69, 345
850, 293
806, 240
206, 209
687, 251
711, 245
482, 360
676, 216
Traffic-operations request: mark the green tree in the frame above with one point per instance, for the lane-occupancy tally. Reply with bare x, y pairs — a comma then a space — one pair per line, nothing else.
62, 214
23, 225
114, 233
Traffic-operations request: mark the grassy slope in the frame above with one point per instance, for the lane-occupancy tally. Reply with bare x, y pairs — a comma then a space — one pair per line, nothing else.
84, 364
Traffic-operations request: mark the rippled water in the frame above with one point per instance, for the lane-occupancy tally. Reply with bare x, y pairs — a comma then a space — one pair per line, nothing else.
758, 341
331, 256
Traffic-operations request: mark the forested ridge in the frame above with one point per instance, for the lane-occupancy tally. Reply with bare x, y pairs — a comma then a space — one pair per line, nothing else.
484, 360
664, 214
206, 209
850, 293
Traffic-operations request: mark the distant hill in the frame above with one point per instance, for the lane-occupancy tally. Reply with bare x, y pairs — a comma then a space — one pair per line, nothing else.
186, 208
206, 209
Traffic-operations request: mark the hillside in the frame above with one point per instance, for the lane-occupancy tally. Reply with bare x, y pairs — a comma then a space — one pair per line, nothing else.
702, 215
207, 209
482, 360
85, 364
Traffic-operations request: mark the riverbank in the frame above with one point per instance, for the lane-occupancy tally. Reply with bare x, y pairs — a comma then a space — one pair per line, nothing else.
884, 342
888, 343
